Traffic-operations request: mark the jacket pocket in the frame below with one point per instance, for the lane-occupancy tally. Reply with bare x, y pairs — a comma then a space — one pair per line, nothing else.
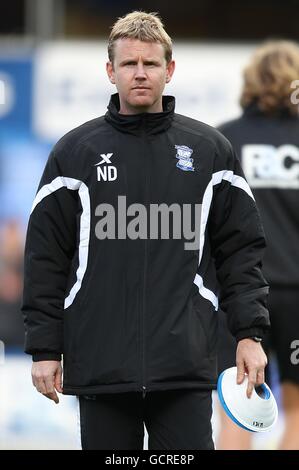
205, 315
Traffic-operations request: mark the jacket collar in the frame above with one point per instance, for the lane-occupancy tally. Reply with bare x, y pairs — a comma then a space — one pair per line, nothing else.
151, 123
254, 110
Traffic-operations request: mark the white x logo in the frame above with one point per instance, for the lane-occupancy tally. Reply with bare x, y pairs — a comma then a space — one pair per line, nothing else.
105, 158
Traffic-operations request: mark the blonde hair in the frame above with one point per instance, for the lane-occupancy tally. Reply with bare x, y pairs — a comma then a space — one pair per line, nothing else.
268, 77
146, 27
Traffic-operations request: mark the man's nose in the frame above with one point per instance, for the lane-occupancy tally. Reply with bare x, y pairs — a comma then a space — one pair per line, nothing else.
140, 71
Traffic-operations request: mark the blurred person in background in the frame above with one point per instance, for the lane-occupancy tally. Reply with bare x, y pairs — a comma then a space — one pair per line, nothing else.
135, 318
11, 284
266, 139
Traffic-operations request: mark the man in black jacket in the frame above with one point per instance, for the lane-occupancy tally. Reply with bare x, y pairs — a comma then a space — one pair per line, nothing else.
134, 311
266, 138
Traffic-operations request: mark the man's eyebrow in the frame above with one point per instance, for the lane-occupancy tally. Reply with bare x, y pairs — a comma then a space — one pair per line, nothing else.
129, 59
134, 59
154, 61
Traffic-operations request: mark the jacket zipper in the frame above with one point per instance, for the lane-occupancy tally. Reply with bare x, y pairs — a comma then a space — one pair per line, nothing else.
143, 316
143, 320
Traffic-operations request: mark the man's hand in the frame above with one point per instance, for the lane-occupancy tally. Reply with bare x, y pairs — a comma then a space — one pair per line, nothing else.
47, 378
251, 359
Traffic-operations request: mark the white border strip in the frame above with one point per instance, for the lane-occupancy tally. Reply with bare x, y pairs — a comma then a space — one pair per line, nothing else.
217, 177
78, 434
75, 185
206, 293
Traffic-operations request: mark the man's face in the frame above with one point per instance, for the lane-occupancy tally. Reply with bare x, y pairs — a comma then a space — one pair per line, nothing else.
140, 72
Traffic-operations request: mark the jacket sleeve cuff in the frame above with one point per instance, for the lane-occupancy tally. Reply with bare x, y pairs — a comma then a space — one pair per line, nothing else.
44, 356
249, 332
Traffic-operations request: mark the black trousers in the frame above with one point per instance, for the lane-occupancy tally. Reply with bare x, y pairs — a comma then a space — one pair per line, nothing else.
174, 419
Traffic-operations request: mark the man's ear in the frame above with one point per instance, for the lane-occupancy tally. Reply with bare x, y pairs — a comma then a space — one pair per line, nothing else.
110, 72
169, 70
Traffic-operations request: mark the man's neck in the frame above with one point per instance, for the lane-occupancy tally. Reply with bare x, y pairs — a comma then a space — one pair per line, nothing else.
130, 110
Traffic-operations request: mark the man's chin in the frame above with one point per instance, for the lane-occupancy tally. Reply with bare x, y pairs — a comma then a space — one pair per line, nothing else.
142, 102
141, 106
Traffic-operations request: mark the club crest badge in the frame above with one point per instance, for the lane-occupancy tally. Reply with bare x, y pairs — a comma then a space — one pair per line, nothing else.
183, 153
